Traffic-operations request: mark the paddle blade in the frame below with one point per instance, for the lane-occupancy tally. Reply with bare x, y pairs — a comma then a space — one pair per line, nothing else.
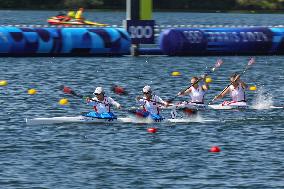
138, 113
219, 62
189, 112
118, 90
68, 90
251, 61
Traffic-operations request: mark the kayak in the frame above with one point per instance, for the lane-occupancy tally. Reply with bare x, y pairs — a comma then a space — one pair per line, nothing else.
240, 106
228, 107
188, 105
222, 107
60, 20
84, 119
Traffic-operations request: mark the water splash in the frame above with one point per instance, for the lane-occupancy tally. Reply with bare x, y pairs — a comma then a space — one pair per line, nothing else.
187, 118
134, 119
198, 118
263, 100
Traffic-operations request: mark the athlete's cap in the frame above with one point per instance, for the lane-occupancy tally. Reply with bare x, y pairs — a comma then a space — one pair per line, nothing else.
99, 90
147, 89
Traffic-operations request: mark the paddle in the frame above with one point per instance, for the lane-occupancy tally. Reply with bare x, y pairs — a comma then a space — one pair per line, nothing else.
119, 90
250, 62
219, 62
68, 90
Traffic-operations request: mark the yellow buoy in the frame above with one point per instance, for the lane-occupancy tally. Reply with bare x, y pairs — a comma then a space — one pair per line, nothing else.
208, 79
31, 91
3, 83
252, 88
176, 74
63, 101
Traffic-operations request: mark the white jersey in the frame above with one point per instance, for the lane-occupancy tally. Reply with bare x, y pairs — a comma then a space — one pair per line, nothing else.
197, 95
102, 106
238, 93
151, 105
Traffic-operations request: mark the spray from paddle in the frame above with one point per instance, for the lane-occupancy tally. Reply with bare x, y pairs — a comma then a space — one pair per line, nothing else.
263, 100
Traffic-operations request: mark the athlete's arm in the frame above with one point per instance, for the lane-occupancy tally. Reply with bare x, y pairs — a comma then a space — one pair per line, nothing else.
224, 93
243, 84
182, 93
113, 102
161, 101
91, 102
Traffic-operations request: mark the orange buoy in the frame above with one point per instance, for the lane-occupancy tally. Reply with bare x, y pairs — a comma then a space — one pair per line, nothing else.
152, 130
215, 149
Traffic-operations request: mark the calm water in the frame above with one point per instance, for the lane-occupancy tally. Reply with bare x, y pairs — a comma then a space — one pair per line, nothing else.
125, 155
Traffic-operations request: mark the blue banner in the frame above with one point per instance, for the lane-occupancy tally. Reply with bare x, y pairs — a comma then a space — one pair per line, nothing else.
141, 31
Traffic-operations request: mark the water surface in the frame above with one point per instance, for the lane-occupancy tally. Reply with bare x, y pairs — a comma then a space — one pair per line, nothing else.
125, 155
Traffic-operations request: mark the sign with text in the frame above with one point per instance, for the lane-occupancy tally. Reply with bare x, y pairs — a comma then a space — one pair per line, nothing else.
141, 31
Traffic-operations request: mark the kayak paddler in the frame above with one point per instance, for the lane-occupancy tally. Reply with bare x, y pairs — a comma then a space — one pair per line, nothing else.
79, 14
196, 91
150, 103
71, 14
101, 105
236, 90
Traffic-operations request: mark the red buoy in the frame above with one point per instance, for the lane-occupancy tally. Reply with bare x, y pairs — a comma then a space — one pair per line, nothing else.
152, 130
215, 149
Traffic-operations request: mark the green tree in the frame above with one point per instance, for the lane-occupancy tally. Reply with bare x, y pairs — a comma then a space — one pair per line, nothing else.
82, 3
263, 4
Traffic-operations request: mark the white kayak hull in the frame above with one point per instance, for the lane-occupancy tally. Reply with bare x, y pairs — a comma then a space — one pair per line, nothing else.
227, 107
76, 119
221, 107
83, 119
242, 107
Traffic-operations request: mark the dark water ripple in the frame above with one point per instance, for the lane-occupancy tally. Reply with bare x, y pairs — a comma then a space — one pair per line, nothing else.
125, 155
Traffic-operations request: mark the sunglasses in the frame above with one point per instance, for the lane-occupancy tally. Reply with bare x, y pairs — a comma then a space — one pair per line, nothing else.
97, 93
146, 93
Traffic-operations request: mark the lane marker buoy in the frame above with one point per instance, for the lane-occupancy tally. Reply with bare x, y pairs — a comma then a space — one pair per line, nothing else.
63, 101
215, 149
176, 73
3, 83
32, 91
252, 88
152, 130
208, 79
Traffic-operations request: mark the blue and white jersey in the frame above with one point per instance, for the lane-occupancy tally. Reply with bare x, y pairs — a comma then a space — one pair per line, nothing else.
151, 105
102, 106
